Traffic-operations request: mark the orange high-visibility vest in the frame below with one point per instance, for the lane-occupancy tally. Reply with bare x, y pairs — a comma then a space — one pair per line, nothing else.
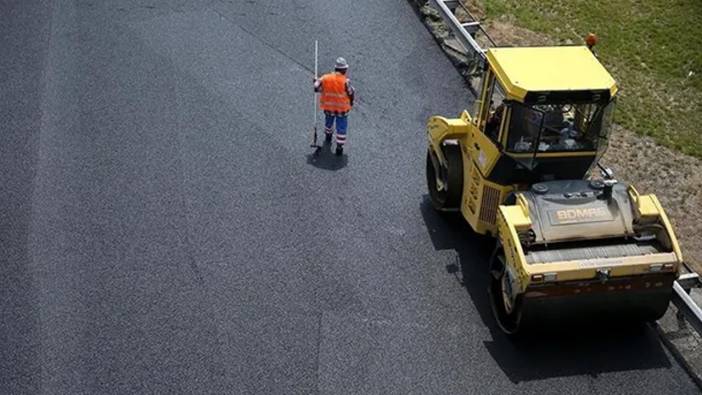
334, 96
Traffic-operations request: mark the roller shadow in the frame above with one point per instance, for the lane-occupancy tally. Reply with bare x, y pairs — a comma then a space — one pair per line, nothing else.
324, 158
566, 350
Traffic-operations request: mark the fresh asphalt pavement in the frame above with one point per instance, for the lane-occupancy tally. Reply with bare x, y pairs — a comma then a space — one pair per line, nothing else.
164, 226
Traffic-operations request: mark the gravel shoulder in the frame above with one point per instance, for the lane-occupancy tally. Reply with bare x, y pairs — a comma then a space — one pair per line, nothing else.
675, 178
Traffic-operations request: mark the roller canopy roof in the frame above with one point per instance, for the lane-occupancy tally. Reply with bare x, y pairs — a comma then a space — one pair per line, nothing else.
527, 72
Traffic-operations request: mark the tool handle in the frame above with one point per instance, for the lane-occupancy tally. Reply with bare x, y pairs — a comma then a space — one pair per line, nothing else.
316, 51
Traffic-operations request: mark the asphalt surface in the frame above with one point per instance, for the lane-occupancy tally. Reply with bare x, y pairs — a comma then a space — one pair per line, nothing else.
165, 228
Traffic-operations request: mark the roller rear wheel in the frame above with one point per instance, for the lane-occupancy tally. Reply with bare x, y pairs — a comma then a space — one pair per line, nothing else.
445, 184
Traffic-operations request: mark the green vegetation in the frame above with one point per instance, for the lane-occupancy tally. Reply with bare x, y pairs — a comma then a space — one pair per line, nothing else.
653, 48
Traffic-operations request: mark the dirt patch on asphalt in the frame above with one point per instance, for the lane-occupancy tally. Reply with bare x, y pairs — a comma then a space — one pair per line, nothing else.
675, 178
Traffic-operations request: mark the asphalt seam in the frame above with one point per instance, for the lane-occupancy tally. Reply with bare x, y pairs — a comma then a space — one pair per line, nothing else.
319, 349
191, 253
43, 374
264, 42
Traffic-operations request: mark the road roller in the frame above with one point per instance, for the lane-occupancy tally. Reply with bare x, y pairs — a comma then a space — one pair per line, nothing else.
523, 166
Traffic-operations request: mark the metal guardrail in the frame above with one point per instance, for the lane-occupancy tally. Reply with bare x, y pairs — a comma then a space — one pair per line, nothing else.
465, 28
465, 32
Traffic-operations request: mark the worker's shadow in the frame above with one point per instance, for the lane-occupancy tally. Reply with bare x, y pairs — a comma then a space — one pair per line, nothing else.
555, 352
324, 158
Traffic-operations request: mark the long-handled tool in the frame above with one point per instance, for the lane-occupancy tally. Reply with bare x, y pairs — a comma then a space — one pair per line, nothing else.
314, 127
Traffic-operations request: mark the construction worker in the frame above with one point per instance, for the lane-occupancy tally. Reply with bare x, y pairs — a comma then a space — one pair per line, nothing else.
336, 99
494, 120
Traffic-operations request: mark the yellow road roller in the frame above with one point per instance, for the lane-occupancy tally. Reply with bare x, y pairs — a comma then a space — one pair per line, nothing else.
520, 167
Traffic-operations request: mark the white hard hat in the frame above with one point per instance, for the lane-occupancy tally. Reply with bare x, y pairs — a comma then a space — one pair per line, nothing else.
341, 64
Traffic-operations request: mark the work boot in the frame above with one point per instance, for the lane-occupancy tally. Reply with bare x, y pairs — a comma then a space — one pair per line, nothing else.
339, 149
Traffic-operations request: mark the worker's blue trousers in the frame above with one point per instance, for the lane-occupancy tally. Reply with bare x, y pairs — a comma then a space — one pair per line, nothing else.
341, 126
